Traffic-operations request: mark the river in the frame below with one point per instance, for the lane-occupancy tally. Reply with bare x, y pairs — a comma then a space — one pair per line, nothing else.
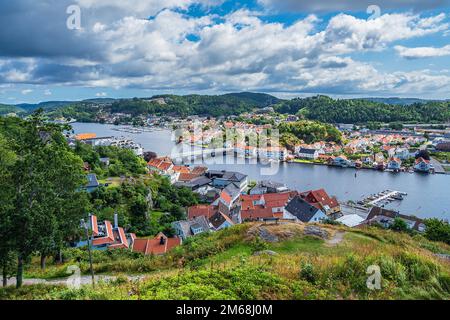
428, 195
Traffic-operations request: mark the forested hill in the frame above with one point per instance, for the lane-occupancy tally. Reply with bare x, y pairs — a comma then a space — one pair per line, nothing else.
326, 109
220, 105
320, 108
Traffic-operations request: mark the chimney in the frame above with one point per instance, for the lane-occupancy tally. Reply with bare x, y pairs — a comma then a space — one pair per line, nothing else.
116, 221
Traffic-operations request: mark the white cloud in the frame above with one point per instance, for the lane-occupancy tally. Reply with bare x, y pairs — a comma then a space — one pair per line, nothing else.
101, 94
239, 51
26, 91
47, 92
422, 52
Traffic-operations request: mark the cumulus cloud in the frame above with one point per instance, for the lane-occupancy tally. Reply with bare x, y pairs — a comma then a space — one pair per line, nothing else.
173, 51
350, 5
422, 52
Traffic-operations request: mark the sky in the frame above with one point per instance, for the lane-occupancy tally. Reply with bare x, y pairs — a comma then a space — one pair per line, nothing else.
78, 49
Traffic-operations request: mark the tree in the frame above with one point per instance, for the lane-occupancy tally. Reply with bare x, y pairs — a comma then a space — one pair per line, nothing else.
46, 179
437, 230
399, 225
7, 256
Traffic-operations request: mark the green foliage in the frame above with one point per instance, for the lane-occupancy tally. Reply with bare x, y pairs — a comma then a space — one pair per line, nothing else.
43, 206
437, 230
399, 225
123, 162
145, 206
309, 132
326, 109
259, 244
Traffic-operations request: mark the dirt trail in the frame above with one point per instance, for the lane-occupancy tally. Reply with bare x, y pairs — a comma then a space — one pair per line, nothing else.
84, 279
336, 239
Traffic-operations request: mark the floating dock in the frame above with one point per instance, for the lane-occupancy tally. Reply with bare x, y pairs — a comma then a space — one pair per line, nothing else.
382, 198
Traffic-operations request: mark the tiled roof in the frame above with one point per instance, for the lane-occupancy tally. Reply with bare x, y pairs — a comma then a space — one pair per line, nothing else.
219, 219
108, 238
320, 196
201, 210
156, 246
94, 225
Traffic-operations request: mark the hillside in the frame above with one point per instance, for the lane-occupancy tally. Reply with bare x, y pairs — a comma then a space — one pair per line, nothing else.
326, 109
256, 261
5, 109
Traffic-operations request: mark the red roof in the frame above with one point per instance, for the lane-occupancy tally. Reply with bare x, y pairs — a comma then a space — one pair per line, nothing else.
162, 164
154, 246
201, 210
226, 197
187, 176
264, 206
108, 238
320, 197
94, 225
420, 159
121, 239
181, 169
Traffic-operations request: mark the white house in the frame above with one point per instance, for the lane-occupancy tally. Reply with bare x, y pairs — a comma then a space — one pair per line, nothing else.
423, 165
307, 153
394, 164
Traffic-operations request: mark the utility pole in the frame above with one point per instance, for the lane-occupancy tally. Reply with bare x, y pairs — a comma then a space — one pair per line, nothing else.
85, 226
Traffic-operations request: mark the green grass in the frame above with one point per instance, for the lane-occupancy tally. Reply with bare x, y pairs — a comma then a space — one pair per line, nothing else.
222, 266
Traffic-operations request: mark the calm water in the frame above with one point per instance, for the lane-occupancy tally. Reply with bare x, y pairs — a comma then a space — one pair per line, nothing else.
428, 195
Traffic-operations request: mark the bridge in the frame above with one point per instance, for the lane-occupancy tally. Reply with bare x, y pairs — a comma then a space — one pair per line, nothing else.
200, 153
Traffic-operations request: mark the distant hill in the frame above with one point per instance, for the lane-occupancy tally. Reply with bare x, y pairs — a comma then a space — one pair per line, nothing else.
398, 101
262, 99
5, 109
47, 105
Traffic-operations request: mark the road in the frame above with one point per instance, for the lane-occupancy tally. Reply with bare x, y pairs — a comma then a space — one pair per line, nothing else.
438, 168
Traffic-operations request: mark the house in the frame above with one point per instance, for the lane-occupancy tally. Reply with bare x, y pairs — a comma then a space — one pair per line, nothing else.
403, 153
300, 210
228, 197
161, 244
195, 183
92, 182
386, 217
268, 186
341, 161
350, 220
263, 206
422, 165
188, 228
105, 235
223, 178
219, 221
306, 153
273, 153
162, 165
321, 200
201, 210
394, 164
443, 146
104, 161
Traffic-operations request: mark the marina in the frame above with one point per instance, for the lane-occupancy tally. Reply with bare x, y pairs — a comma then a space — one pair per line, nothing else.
427, 194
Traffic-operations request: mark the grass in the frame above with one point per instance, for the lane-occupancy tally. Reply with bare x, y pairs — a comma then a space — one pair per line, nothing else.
222, 266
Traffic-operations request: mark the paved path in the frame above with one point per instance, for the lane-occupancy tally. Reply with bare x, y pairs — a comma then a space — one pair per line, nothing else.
438, 168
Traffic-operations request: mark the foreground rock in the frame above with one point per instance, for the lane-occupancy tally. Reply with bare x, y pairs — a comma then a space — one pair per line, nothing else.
316, 231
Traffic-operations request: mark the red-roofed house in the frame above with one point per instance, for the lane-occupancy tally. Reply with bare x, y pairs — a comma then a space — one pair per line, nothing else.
263, 206
161, 244
201, 210
321, 200
423, 165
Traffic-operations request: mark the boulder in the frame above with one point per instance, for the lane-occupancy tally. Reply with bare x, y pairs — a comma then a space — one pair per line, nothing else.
316, 231
265, 252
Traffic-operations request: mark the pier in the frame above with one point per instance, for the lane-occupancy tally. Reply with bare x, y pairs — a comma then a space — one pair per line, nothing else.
383, 198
